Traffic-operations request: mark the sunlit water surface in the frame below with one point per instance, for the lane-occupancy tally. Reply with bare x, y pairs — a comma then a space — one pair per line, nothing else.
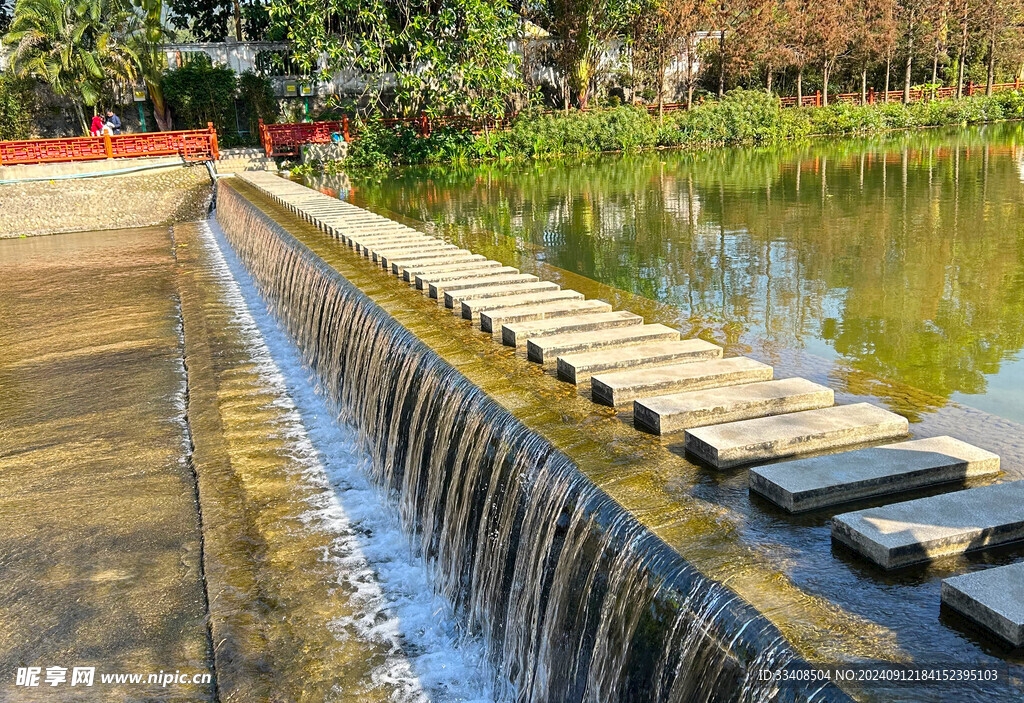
900, 257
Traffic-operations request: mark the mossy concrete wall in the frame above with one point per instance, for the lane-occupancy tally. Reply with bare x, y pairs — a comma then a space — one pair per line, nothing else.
165, 195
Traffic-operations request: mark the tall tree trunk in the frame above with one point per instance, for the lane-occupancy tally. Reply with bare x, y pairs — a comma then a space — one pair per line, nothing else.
888, 70
661, 93
908, 70
800, 86
80, 113
864, 85
721, 64
935, 63
238, 20
962, 58
826, 69
990, 79
689, 72
768, 78
161, 111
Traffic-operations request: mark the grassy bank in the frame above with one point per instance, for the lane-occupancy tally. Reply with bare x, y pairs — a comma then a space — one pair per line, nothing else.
742, 117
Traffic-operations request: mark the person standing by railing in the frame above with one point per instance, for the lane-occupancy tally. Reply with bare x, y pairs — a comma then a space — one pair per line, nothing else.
97, 126
114, 122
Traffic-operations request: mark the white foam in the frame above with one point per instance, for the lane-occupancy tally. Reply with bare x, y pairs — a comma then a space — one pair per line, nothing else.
432, 658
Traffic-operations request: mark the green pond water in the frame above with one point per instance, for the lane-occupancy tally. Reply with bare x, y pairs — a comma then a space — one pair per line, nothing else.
900, 259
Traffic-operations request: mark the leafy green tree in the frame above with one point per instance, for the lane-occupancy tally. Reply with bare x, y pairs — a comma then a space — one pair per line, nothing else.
257, 94
76, 48
439, 55
5, 17
582, 31
15, 117
144, 35
200, 92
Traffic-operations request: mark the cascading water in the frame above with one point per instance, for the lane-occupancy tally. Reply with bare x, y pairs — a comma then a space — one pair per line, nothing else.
576, 600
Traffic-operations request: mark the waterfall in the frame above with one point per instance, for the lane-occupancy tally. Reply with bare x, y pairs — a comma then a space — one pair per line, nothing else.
575, 599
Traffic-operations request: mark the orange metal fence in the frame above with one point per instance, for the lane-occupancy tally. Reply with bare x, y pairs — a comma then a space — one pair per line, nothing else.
191, 145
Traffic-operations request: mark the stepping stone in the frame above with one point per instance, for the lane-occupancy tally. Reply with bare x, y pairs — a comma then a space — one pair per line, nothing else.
454, 299
424, 281
993, 598
358, 242
670, 413
922, 530
396, 262
517, 334
383, 252
471, 309
494, 320
546, 349
618, 387
440, 288
767, 438
454, 259
478, 262
576, 368
823, 481
355, 238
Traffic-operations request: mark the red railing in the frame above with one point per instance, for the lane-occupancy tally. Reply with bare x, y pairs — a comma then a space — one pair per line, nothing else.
286, 139
190, 145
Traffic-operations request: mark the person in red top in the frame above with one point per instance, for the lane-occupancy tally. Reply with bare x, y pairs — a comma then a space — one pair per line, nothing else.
97, 126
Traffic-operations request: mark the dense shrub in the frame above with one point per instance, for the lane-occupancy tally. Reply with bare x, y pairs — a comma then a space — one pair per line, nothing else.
557, 134
741, 117
257, 97
200, 92
15, 116
380, 146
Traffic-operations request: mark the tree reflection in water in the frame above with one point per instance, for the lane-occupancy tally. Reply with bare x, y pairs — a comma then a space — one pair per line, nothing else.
902, 255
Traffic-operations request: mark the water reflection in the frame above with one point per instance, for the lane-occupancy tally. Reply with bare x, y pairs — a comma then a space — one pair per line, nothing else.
901, 257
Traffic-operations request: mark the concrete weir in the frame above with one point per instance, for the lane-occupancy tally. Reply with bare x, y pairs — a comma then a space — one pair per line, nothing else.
915, 531
732, 411
625, 613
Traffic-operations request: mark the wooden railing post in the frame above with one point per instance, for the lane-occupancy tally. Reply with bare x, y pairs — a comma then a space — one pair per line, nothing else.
871, 96
817, 99
1016, 82
344, 128
262, 130
214, 151
108, 146
424, 125
970, 89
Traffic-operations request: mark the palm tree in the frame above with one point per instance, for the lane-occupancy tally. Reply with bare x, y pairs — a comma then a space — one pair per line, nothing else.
145, 34
75, 46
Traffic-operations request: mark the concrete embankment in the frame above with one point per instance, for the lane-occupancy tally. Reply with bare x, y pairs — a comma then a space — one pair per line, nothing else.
101, 543
514, 529
127, 193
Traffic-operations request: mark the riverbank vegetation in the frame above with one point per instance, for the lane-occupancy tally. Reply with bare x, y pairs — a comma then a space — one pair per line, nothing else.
487, 60
741, 117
